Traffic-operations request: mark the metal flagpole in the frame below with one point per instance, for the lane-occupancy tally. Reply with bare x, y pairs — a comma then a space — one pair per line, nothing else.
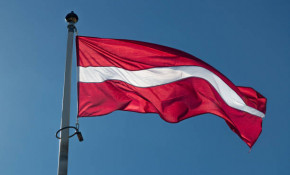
71, 18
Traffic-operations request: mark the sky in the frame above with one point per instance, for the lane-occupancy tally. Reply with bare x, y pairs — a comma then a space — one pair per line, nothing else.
248, 41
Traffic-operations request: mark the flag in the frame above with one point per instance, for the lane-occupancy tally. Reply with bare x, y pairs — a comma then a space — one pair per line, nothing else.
118, 74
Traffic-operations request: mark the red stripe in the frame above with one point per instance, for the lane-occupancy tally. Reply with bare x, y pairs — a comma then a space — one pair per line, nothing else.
173, 102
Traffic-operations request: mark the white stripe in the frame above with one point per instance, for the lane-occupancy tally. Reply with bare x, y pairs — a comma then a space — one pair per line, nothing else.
164, 75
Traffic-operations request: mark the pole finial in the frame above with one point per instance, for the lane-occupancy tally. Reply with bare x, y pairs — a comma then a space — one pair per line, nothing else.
72, 17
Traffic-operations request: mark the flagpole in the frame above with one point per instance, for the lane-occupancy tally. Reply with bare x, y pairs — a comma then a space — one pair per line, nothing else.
71, 19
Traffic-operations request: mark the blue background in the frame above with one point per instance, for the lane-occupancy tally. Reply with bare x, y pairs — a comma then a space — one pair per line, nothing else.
248, 41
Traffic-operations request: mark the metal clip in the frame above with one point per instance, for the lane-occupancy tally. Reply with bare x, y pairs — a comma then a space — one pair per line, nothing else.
80, 136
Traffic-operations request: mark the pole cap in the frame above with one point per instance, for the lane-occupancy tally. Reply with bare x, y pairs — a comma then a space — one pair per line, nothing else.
72, 17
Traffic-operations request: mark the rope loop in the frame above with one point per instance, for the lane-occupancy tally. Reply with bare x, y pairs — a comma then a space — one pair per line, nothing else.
77, 132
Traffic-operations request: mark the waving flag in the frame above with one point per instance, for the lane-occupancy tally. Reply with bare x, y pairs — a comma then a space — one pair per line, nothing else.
116, 74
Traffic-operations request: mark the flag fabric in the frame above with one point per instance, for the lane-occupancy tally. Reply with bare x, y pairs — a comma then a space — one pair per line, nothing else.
118, 74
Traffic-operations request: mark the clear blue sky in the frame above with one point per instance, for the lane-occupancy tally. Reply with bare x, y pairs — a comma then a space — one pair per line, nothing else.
248, 41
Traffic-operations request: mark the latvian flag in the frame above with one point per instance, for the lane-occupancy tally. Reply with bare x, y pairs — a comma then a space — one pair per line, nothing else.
117, 74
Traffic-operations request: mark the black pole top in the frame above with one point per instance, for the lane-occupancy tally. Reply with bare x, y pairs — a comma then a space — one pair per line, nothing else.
72, 17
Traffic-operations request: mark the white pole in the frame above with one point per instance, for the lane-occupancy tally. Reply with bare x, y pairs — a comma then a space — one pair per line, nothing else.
71, 18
